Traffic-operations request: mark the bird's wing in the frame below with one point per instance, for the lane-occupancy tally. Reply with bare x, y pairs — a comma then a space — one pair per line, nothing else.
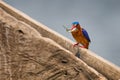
86, 34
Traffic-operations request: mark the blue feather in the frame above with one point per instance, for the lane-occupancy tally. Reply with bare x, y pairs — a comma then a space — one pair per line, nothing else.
86, 34
75, 23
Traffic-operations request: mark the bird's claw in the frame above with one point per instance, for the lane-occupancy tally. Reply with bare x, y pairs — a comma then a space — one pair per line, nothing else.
76, 44
82, 46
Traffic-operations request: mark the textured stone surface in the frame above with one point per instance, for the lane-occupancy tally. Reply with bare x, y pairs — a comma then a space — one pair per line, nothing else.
26, 55
106, 68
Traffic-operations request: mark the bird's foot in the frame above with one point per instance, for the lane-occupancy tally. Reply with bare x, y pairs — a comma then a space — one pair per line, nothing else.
76, 44
82, 46
79, 45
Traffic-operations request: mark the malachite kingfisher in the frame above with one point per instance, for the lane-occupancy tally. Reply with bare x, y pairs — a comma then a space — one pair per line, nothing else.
80, 35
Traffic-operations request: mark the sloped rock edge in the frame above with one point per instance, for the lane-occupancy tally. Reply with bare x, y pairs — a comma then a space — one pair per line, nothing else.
26, 55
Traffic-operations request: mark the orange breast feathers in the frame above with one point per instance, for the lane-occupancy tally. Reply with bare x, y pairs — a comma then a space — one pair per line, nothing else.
78, 36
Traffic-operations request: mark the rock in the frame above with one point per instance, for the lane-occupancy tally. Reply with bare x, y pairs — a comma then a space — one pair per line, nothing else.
31, 51
26, 55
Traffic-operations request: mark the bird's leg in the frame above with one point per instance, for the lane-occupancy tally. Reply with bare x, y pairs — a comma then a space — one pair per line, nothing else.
82, 46
76, 44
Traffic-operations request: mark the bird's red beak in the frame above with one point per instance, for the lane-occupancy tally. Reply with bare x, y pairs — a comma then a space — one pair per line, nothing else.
73, 27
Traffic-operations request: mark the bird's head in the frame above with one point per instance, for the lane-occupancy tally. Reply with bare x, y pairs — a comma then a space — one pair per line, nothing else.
75, 26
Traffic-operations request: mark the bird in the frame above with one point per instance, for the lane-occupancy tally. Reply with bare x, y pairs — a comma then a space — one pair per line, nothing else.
80, 35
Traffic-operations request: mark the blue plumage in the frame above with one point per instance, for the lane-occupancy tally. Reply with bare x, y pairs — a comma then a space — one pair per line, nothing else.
75, 23
86, 34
